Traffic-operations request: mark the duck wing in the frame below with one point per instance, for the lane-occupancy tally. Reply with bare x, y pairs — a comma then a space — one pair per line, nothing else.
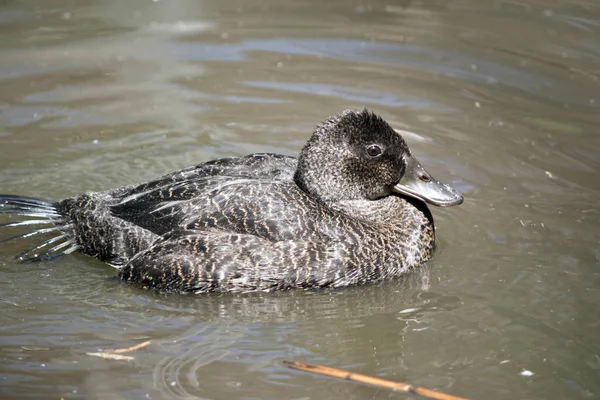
174, 200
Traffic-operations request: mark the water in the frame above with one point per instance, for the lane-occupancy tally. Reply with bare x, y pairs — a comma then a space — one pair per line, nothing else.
503, 98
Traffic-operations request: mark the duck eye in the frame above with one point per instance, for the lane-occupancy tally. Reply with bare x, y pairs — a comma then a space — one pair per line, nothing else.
373, 150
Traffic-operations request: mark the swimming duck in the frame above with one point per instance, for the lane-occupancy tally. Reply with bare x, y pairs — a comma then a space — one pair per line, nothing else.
349, 210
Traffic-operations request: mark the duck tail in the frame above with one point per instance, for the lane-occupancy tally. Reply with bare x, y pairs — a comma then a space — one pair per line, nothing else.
44, 217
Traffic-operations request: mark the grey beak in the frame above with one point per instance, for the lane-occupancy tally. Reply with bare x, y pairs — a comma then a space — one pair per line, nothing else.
416, 182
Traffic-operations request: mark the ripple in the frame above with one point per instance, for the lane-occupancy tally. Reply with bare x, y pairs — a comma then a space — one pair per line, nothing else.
179, 375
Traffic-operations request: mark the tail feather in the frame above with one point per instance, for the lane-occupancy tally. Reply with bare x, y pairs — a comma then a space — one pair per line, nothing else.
40, 213
12, 201
45, 213
27, 222
27, 203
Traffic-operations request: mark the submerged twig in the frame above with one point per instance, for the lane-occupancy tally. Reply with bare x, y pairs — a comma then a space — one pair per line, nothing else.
115, 354
128, 349
369, 380
34, 348
111, 356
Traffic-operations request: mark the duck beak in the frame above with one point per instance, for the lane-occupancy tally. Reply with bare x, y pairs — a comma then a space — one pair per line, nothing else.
418, 183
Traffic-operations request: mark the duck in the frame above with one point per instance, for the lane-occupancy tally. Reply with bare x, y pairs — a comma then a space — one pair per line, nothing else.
351, 209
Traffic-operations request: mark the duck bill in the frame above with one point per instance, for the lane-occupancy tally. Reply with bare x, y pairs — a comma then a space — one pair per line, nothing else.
418, 183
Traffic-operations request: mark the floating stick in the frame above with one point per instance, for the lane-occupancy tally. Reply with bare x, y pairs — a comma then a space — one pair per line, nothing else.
128, 349
369, 380
115, 354
111, 356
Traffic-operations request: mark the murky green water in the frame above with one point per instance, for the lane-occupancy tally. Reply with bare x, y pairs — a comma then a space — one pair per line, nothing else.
504, 98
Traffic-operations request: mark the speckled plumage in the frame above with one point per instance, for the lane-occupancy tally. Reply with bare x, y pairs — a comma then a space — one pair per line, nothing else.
260, 222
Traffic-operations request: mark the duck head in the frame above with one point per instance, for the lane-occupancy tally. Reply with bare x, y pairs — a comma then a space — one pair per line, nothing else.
356, 155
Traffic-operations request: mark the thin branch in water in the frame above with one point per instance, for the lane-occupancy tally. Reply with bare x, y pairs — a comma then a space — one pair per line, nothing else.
111, 356
128, 349
115, 354
369, 380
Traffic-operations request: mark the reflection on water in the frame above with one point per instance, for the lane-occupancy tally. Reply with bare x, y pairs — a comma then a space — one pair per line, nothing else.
502, 95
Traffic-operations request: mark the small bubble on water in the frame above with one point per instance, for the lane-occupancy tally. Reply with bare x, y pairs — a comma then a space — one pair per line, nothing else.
477, 104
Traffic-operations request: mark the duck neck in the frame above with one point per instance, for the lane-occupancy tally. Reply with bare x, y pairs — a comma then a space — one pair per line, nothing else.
390, 210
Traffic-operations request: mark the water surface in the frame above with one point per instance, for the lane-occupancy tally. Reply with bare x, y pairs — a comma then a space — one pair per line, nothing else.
503, 100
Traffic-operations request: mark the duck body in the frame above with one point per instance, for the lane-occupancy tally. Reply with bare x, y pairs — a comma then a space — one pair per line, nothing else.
331, 218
